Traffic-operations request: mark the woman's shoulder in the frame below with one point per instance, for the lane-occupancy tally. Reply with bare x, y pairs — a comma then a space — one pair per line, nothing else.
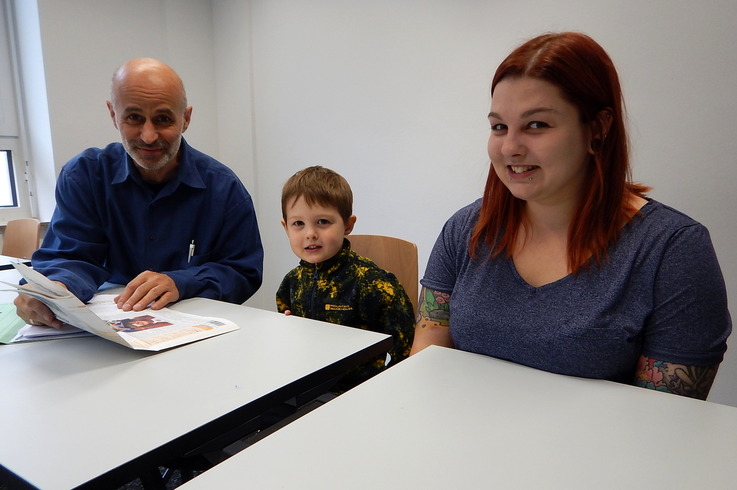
465, 217
659, 215
659, 224
469, 210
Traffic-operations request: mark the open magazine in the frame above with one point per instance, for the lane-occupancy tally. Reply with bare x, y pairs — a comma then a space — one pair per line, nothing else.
151, 330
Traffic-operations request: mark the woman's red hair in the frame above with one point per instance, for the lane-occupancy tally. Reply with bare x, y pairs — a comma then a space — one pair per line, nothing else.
586, 77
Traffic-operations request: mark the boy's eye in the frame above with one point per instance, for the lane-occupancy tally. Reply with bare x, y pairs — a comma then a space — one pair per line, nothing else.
323, 221
297, 223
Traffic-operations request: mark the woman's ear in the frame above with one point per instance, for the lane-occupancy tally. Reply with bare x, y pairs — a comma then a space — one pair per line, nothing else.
600, 126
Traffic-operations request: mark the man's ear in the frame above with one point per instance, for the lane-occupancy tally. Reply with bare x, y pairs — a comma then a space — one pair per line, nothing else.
187, 117
111, 109
349, 224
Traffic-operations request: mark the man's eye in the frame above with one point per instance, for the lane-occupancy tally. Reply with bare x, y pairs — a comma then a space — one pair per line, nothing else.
164, 120
134, 118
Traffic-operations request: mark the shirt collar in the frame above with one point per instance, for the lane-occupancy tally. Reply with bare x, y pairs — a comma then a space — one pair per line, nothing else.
345, 251
187, 173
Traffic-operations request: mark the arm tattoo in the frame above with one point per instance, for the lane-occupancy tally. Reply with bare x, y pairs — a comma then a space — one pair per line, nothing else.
691, 381
434, 307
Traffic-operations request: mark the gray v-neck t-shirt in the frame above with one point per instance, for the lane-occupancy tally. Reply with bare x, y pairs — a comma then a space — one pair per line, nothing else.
660, 294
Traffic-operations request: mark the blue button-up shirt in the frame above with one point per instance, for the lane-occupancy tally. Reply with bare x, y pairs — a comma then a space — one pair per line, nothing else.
109, 226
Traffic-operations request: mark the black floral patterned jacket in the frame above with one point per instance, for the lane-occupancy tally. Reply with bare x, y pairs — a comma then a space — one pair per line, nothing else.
351, 290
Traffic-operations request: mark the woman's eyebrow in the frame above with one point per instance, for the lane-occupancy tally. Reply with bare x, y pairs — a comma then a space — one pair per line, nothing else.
525, 114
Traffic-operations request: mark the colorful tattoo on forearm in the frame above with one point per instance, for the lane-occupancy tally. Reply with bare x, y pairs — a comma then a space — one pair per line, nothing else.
691, 381
435, 307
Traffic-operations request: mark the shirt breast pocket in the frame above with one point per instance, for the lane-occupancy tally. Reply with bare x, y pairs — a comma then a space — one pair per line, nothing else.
198, 259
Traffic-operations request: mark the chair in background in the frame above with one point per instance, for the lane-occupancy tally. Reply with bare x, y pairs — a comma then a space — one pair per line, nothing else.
21, 237
394, 255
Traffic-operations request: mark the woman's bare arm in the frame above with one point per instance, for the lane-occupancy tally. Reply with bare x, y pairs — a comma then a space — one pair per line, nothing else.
433, 321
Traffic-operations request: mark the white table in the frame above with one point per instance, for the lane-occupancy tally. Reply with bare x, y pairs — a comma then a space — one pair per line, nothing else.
450, 419
89, 411
6, 262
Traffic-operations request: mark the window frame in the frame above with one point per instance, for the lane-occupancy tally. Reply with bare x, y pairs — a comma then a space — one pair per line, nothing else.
12, 133
9, 161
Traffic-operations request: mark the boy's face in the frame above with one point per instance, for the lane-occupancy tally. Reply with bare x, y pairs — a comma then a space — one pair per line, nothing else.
315, 232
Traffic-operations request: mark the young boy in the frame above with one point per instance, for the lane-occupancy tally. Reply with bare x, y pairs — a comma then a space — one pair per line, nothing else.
332, 283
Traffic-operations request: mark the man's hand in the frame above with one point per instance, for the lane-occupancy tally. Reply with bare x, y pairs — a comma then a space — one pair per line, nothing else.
34, 312
147, 288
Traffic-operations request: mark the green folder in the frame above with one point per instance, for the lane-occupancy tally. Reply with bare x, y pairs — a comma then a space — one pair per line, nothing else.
10, 323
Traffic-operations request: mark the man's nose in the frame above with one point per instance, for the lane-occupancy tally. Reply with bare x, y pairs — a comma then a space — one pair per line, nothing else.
149, 133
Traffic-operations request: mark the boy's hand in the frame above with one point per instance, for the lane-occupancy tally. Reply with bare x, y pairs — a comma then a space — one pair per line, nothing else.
287, 312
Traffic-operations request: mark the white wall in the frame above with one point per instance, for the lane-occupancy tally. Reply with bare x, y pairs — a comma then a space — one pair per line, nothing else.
232, 56
393, 94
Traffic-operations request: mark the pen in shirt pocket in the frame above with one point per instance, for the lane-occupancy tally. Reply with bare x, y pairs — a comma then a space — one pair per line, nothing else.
190, 254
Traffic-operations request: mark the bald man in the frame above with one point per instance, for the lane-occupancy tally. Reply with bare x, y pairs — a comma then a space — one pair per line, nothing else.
151, 213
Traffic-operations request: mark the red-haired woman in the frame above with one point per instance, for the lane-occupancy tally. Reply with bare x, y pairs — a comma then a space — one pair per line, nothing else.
564, 264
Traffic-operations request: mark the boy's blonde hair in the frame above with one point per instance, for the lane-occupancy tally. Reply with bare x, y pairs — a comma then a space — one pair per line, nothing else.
318, 185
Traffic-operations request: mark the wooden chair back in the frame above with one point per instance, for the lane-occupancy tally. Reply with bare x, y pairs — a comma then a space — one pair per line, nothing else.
21, 237
394, 255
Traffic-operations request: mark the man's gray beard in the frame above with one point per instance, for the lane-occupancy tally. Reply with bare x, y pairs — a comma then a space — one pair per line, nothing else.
164, 159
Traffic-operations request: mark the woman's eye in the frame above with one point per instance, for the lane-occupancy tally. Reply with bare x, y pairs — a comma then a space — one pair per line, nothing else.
498, 127
537, 125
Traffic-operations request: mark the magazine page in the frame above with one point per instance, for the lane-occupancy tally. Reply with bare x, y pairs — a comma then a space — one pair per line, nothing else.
72, 311
156, 329
31, 333
67, 307
40, 284
151, 330
13, 329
